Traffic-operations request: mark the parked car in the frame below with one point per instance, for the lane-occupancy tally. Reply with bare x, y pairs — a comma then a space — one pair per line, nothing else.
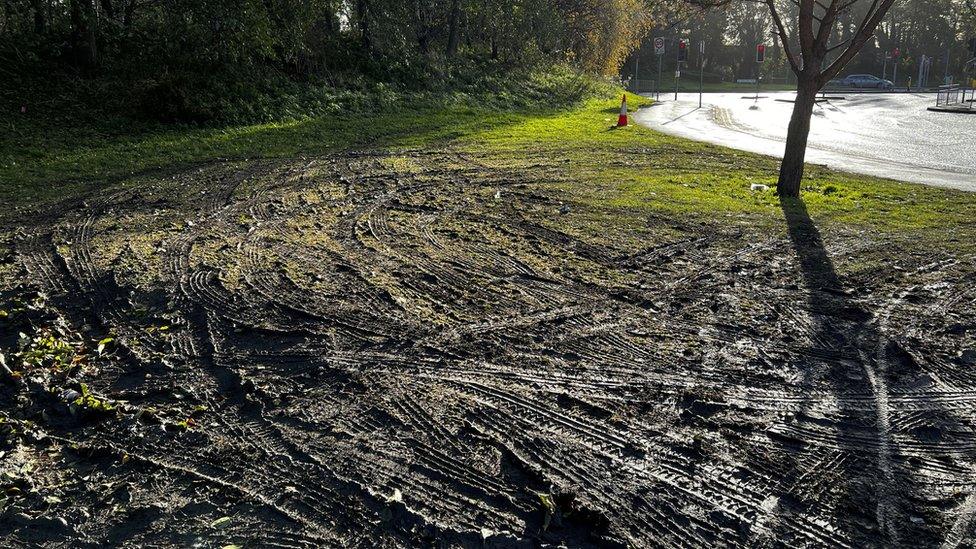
867, 81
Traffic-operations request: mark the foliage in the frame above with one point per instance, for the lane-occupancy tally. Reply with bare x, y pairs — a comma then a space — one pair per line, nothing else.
249, 60
46, 350
88, 402
634, 169
732, 30
47, 156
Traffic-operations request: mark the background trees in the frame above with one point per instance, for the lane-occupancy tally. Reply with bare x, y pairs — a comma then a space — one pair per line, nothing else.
180, 46
933, 28
819, 40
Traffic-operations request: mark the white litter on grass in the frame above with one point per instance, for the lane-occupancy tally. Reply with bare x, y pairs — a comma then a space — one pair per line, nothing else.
759, 187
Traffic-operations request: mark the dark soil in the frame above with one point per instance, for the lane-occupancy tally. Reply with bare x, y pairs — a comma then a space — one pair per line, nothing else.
418, 348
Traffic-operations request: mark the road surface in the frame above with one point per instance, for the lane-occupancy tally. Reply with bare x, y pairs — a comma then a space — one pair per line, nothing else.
887, 135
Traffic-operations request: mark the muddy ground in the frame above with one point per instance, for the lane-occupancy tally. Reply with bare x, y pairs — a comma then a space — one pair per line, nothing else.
420, 348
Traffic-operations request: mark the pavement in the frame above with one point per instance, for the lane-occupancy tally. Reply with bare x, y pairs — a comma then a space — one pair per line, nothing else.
889, 135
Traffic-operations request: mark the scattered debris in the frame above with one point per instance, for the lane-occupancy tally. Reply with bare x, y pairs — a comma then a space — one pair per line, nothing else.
221, 522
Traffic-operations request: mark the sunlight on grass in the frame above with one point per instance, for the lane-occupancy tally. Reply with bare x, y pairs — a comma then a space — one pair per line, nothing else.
633, 167
637, 167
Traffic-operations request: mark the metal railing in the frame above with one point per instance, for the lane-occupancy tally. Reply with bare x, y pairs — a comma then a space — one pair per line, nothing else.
948, 95
642, 85
956, 97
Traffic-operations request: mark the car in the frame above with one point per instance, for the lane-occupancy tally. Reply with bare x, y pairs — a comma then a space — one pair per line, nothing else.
867, 81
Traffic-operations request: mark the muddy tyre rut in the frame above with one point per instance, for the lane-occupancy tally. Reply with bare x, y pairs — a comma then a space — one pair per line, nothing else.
408, 348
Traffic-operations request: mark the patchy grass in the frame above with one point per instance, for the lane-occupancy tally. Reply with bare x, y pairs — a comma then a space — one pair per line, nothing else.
633, 168
636, 167
56, 162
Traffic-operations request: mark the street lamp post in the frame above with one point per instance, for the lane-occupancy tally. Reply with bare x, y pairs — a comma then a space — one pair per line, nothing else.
955, 20
701, 72
659, 76
895, 55
681, 55
637, 72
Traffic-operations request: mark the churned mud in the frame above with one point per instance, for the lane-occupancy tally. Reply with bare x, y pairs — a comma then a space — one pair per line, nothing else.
413, 348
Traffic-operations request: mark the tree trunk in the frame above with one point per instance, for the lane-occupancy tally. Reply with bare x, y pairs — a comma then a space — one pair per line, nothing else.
332, 19
91, 36
791, 170
83, 33
362, 13
423, 43
454, 35
39, 21
130, 8
108, 8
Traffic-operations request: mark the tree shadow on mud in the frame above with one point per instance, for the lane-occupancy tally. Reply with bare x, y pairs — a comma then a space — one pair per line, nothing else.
847, 361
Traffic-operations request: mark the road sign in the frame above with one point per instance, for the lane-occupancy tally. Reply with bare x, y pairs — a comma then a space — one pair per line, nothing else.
659, 46
760, 53
682, 50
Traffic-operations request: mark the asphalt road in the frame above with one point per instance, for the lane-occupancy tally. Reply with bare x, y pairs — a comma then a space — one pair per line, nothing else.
888, 134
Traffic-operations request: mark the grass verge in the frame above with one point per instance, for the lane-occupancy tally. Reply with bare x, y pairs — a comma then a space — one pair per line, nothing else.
631, 168
636, 167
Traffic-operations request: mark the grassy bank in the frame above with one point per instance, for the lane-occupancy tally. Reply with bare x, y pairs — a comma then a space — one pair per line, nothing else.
51, 162
638, 167
66, 144
632, 168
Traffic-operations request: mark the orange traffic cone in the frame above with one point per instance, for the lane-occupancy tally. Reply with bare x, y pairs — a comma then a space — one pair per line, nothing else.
622, 120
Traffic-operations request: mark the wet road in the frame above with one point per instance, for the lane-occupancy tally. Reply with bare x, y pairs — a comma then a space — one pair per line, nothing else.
886, 135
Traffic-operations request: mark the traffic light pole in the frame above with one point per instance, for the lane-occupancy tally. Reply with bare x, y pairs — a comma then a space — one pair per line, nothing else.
758, 76
760, 59
637, 73
701, 72
677, 68
659, 64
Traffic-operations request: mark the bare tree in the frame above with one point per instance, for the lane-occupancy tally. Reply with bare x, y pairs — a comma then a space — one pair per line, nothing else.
816, 55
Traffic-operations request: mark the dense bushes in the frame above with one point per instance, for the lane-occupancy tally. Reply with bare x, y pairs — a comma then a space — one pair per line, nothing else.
235, 100
230, 99
219, 61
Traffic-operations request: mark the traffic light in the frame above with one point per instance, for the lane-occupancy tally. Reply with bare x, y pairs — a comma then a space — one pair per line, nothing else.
896, 53
682, 50
972, 45
760, 53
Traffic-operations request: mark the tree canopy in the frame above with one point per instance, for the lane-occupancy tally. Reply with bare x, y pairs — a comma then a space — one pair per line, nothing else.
304, 38
937, 29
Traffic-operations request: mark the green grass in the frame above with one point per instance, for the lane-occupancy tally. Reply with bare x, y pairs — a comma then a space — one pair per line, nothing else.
47, 162
637, 167
633, 168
